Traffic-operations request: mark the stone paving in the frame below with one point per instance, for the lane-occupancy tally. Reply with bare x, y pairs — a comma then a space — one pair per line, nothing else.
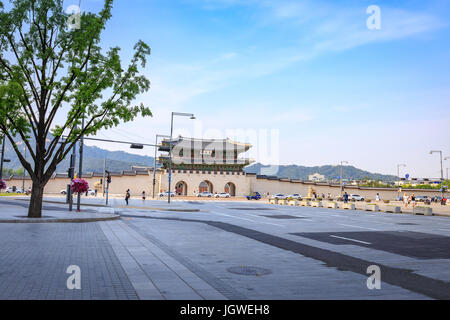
227, 250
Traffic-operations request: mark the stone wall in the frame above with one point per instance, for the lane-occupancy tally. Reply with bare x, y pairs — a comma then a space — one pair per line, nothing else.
244, 184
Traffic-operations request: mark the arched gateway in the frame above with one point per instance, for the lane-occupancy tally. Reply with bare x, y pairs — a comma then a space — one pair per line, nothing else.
205, 186
230, 188
181, 188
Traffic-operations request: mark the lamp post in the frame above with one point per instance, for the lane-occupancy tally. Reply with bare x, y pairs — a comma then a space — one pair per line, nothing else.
445, 159
342, 189
3, 156
398, 175
180, 114
154, 163
442, 170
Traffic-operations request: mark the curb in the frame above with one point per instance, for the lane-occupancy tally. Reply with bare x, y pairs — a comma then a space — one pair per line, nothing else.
62, 220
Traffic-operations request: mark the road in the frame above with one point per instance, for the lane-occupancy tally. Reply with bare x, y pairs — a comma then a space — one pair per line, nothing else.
230, 250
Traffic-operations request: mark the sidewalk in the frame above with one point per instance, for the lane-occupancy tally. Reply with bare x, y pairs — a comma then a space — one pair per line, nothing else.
16, 211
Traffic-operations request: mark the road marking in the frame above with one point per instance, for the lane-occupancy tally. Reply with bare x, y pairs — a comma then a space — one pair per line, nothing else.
444, 230
363, 242
226, 215
349, 225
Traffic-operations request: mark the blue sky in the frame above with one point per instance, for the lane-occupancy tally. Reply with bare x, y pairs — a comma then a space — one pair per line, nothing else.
310, 72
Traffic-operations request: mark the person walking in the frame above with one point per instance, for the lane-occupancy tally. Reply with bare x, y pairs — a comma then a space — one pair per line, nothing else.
405, 200
143, 195
346, 197
413, 200
377, 198
127, 196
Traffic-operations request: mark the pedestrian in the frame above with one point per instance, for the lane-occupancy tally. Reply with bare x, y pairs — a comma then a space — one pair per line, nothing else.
127, 196
413, 200
143, 195
405, 200
345, 197
95, 192
377, 198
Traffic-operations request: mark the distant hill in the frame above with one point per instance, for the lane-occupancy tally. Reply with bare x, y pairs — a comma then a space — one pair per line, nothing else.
330, 172
93, 160
119, 161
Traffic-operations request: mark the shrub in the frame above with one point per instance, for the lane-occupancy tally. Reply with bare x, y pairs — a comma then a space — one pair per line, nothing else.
368, 200
387, 201
2, 184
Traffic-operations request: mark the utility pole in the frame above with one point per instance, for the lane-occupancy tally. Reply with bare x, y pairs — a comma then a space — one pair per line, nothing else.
154, 162
104, 177
3, 156
442, 170
73, 158
23, 175
80, 167
342, 186
192, 117
108, 181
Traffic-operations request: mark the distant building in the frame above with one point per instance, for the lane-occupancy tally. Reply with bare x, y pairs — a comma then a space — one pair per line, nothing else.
316, 177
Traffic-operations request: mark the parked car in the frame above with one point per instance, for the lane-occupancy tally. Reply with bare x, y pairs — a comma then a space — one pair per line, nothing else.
295, 196
91, 192
222, 195
166, 194
279, 196
255, 196
13, 189
63, 192
356, 197
421, 198
204, 194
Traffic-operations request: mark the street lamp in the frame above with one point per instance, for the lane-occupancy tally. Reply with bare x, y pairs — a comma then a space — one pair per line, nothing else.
342, 189
154, 163
445, 159
180, 114
398, 169
398, 175
442, 170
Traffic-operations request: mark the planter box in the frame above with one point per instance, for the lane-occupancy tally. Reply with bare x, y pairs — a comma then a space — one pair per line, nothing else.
282, 202
317, 204
273, 201
333, 205
393, 209
372, 207
293, 203
348, 206
426, 211
305, 203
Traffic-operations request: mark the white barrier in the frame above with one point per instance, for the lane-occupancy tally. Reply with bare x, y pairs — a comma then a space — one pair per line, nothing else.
348, 206
372, 207
317, 204
426, 211
332, 205
393, 209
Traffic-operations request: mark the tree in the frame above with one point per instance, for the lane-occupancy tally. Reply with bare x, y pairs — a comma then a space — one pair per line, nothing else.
49, 68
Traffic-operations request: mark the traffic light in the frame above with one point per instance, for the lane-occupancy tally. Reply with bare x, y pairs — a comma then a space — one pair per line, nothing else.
101, 181
70, 173
109, 178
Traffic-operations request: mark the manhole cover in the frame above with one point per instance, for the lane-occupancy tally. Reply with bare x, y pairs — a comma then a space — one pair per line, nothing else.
249, 271
283, 217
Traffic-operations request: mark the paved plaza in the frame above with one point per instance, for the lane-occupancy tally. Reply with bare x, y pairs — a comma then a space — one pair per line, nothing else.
222, 250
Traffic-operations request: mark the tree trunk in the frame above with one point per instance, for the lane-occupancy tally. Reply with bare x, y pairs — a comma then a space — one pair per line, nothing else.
37, 193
